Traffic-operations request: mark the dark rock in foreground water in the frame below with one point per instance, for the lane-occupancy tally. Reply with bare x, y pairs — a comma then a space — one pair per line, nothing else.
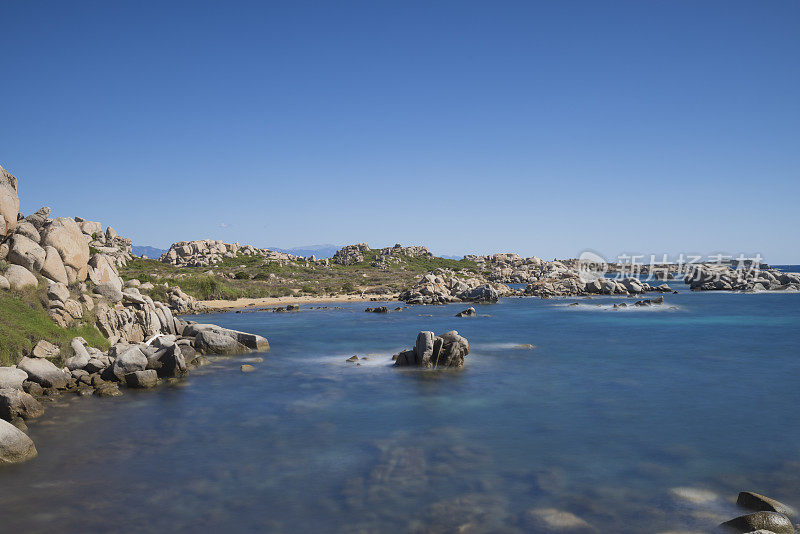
771, 521
469, 312
15, 446
431, 352
761, 503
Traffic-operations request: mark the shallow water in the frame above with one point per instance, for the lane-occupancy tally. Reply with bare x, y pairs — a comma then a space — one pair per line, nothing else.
611, 417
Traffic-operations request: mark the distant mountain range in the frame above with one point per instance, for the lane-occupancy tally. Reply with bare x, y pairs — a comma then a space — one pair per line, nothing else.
150, 252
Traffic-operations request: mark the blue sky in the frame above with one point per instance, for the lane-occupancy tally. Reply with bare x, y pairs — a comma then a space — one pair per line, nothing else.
544, 128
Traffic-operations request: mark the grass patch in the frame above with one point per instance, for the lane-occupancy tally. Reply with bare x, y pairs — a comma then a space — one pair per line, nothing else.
24, 321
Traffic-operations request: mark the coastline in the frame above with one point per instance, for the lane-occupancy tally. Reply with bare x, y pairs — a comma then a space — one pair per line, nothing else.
227, 305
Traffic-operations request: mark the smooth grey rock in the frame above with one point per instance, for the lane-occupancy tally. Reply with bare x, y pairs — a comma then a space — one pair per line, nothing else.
212, 342
43, 372
109, 291
11, 377
19, 277
128, 362
424, 349
771, 521
27, 253
761, 503
4, 283
469, 312
142, 379
28, 230
15, 403
15, 446
58, 291
81, 357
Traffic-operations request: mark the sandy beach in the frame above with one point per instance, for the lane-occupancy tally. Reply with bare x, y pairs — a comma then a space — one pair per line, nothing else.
282, 301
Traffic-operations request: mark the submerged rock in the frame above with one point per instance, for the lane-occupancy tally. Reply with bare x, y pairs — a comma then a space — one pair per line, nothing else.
15, 446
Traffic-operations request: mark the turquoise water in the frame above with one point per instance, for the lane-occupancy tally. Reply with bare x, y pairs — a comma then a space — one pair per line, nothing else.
604, 419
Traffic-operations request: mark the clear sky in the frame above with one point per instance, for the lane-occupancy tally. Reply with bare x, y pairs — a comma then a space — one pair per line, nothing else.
543, 128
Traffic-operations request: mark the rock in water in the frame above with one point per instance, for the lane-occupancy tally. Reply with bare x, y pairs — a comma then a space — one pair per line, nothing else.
770, 521
11, 377
15, 403
142, 379
130, 361
43, 372
15, 446
761, 503
469, 312
431, 352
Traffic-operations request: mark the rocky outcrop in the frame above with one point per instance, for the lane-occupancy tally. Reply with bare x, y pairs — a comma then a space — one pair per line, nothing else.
207, 252
15, 446
381, 258
64, 235
444, 286
721, 277
434, 352
9, 203
350, 254
761, 503
19, 277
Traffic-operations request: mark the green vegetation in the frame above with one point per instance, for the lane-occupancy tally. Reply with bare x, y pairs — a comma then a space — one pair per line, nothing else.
255, 277
24, 321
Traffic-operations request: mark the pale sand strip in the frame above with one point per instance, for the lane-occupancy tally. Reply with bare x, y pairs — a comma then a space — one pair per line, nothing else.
282, 301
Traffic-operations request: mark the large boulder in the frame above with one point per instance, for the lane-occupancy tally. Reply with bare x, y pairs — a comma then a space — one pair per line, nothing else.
64, 235
39, 218
19, 277
26, 252
28, 230
244, 342
101, 271
142, 379
761, 503
53, 266
4, 283
15, 404
482, 293
81, 356
447, 350
43, 372
9, 203
110, 291
215, 342
130, 361
45, 349
15, 446
11, 377
769, 521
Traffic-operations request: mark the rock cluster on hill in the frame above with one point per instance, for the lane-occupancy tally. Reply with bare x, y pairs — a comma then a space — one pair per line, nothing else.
207, 252
443, 286
432, 352
383, 258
